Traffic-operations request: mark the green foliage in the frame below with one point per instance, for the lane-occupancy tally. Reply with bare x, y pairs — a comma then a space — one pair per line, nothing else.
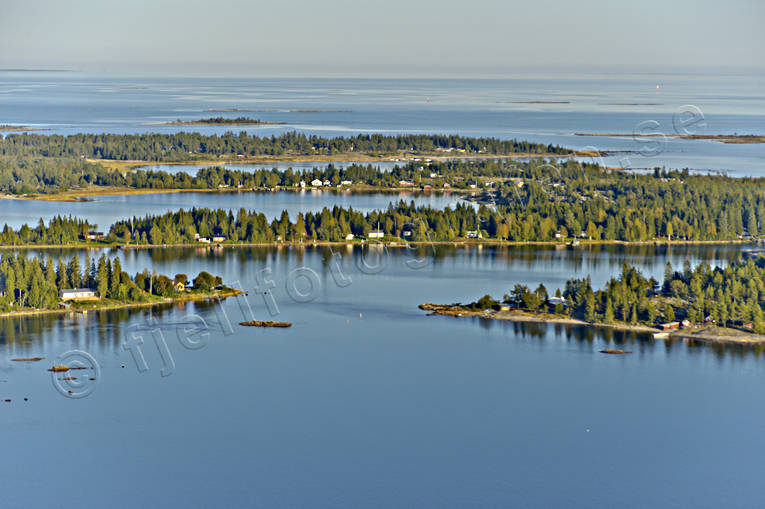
204, 281
732, 295
190, 146
485, 302
33, 283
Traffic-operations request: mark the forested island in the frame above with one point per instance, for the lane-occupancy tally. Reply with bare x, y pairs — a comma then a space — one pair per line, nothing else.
724, 138
31, 285
6, 128
223, 121
520, 202
229, 110
195, 146
524, 202
720, 304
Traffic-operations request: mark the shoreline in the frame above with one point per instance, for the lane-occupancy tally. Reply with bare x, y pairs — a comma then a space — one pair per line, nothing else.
76, 195
709, 334
723, 138
20, 129
384, 243
458, 311
221, 124
344, 157
127, 305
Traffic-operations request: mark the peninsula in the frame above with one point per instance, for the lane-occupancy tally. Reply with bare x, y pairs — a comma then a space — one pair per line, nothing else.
244, 121
32, 286
18, 128
229, 110
723, 138
697, 304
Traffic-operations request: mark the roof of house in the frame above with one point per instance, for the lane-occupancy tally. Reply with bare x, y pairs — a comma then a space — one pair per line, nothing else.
78, 290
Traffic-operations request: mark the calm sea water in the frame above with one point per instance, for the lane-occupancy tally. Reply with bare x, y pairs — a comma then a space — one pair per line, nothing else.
368, 402
548, 109
105, 210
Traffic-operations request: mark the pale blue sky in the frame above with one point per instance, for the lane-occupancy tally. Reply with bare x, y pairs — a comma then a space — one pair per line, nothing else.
390, 37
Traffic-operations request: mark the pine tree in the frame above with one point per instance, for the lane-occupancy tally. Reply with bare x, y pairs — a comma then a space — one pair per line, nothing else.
114, 280
757, 325
609, 315
634, 314
669, 313
102, 278
62, 279
74, 273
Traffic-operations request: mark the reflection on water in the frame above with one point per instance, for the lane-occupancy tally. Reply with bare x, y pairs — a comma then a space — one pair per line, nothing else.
378, 279
364, 379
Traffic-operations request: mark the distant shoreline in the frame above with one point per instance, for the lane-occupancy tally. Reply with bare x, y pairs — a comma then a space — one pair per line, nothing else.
233, 122
19, 129
229, 110
724, 138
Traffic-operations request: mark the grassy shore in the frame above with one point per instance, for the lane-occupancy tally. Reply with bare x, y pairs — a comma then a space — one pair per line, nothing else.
106, 304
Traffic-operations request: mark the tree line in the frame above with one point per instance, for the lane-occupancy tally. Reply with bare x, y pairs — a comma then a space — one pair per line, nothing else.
31, 282
187, 146
727, 296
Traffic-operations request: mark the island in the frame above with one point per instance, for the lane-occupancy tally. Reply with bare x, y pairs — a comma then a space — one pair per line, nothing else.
723, 138
244, 121
34, 286
18, 129
720, 305
229, 110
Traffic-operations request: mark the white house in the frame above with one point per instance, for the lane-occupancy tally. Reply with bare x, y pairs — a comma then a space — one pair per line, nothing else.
346, 182
317, 183
376, 234
474, 234
349, 236
302, 184
78, 294
218, 238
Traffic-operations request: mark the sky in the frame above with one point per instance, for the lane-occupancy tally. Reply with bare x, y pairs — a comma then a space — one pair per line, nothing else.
383, 38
